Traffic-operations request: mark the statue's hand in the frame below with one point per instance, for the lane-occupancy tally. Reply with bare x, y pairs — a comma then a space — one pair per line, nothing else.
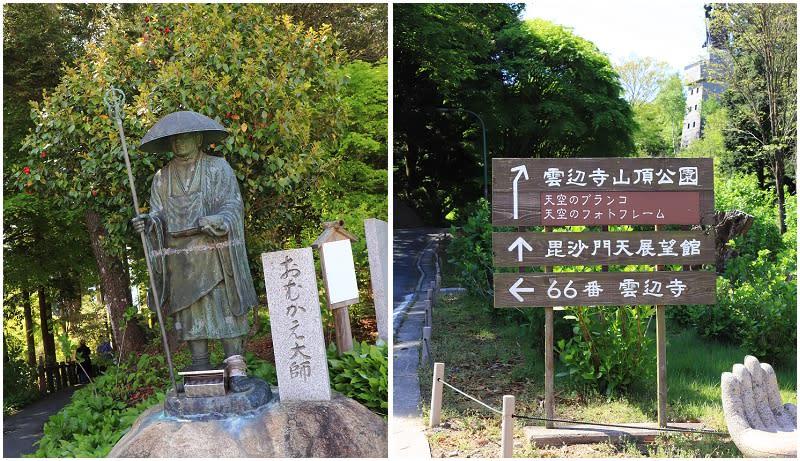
214, 226
141, 222
759, 423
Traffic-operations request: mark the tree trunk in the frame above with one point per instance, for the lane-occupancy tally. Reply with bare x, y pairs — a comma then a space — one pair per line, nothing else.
45, 320
779, 180
28, 313
115, 285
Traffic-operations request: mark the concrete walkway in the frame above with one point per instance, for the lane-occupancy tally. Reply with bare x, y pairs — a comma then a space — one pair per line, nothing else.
22, 429
415, 268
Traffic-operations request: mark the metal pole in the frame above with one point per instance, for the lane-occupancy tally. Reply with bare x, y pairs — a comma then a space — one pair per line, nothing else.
115, 99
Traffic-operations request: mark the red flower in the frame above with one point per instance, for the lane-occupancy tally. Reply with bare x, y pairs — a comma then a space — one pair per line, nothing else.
167, 30
43, 154
147, 19
26, 170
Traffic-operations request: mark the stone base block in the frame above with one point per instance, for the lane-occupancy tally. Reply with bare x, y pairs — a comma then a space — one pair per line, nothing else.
338, 428
254, 397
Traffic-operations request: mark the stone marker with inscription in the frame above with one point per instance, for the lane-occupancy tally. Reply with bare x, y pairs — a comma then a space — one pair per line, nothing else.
292, 295
377, 232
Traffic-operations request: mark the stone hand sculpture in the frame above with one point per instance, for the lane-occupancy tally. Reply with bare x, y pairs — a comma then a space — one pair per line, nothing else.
759, 423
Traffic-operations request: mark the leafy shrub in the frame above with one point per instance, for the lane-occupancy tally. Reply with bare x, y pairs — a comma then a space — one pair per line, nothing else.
757, 295
362, 374
260, 368
759, 313
610, 349
20, 385
470, 250
741, 192
101, 412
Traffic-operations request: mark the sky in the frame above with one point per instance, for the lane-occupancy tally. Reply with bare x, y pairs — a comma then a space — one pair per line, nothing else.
668, 30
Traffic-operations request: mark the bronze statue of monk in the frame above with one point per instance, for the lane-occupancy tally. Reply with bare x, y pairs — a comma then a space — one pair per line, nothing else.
195, 231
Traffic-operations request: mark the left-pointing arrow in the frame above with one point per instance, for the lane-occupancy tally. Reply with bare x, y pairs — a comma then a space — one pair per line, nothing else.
520, 244
515, 290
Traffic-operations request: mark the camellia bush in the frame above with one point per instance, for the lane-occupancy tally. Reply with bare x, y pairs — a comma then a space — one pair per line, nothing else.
275, 85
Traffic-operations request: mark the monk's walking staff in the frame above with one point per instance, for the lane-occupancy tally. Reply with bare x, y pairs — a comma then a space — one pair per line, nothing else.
115, 100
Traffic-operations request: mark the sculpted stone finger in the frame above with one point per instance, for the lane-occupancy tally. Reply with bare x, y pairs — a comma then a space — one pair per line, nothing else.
732, 404
760, 393
782, 416
791, 410
748, 402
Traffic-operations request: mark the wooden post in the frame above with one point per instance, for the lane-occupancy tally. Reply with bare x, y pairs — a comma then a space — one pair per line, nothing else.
40, 374
426, 343
436, 394
549, 370
48, 371
428, 314
507, 427
344, 335
661, 358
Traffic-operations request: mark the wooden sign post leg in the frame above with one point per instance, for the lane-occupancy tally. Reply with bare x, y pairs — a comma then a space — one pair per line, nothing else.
344, 335
548, 359
548, 367
661, 357
661, 361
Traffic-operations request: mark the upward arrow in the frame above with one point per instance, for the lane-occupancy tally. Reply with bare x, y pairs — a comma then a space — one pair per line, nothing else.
519, 244
521, 170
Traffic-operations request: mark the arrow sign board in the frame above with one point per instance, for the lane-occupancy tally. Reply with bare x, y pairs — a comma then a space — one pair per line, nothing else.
604, 288
598, 191
514, 249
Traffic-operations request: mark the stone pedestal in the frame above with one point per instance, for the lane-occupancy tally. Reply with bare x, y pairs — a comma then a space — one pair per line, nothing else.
338, 428
255, 397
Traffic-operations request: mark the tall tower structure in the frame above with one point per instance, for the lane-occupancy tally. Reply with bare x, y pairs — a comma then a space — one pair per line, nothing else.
702, 82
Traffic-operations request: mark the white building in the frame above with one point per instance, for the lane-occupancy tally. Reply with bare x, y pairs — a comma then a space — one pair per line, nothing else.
703, 79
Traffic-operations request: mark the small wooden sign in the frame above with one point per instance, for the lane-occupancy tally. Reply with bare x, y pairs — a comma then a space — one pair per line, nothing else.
339, 276
301, 360
603, 289
519, 249
339, 273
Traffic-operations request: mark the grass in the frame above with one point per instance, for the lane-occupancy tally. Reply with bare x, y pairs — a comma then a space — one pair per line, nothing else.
487, 357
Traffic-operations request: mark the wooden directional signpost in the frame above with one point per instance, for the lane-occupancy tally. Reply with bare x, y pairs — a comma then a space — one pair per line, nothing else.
602, 192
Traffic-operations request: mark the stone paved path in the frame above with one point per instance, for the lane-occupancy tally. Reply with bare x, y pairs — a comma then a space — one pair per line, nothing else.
22, 429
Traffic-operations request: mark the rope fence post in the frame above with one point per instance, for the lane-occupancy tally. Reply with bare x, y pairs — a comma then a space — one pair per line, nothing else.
428, 314
436, 394
507, 427
426, 343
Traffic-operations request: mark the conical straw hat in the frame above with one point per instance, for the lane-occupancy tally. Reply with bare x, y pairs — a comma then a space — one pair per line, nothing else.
157, 138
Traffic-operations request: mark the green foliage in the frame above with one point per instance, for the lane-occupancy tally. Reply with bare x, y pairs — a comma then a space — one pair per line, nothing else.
609, 349
757, 294
260, 368
538, 89
555, 110
20, 385
742, 192
274, 84
100, 413
470, 250
362, 374
659, 122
